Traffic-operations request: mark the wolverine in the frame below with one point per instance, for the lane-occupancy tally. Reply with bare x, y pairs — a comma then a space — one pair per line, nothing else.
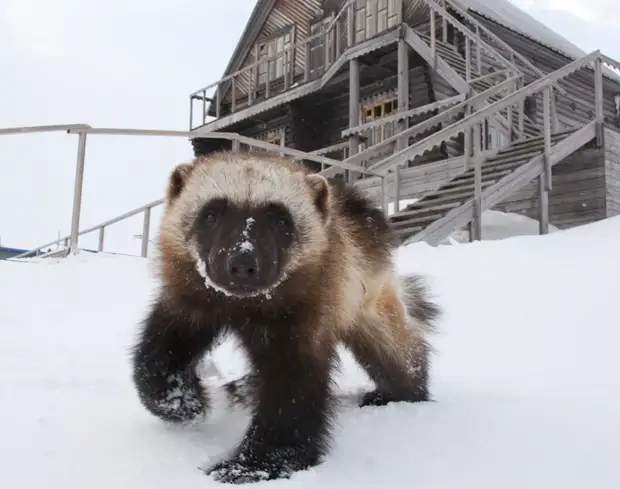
293, 265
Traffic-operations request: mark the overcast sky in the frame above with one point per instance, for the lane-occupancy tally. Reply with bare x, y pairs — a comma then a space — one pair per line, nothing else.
133, 63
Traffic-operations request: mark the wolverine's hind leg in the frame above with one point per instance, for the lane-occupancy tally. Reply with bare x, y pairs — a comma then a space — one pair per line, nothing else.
391, 348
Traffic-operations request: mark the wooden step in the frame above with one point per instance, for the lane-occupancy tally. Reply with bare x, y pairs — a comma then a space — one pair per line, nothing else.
540, 139
524, 153
417, 220
490, 172
411, 210
406, 232
510, 165
487, 178
445, 198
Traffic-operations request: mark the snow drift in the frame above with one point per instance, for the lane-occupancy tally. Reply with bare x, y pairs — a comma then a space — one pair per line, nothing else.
525, 378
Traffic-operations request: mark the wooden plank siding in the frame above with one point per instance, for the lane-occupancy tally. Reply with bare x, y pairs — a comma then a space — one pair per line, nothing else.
612, 172
415, 181
577, 195
578, 108
285, 13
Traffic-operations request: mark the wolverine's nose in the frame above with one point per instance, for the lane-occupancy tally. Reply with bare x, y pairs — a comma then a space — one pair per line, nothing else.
242, 267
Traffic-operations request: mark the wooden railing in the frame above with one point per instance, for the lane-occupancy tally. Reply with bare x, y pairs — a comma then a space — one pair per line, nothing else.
237, 141
300, 64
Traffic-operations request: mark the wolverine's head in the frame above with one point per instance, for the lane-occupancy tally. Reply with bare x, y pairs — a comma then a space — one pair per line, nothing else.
247, 221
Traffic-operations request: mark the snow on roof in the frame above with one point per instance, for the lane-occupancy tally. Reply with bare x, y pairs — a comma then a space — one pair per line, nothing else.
506, 13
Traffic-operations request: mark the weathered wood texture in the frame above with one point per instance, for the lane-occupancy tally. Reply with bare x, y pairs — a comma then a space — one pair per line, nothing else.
334, 109
415, 181
577, 196
577, 107
612, 172
285, 13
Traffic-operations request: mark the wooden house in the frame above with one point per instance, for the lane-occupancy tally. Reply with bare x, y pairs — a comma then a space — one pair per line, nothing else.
464, 105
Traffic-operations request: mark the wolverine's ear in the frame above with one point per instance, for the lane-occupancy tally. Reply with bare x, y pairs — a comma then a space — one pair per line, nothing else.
177, 180
320, 189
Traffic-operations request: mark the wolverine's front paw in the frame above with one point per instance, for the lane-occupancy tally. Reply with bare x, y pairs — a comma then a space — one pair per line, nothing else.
381, 398
241, 470
180, 402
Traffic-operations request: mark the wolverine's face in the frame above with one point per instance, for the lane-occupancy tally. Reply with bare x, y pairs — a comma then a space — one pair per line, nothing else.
247, 221
242, 250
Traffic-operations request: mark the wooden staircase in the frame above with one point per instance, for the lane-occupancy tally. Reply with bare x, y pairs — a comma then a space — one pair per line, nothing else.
451, 55
439, 213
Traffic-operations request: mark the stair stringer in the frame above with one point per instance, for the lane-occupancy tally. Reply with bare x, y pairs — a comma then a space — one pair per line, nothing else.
441, 66
491, 196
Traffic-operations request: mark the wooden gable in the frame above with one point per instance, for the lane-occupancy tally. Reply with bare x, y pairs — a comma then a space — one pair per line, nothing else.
280, 24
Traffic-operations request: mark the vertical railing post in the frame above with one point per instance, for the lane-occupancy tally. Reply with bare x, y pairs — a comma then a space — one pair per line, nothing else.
598, 102
403, 106
385, 198
467, 144
307, 62
233, 97
521, 111
477, 223
250, 86
326, 50
433, 42
218, 105
478, 53
544, 180
204, 106
191, 113
444, 25
146, 224
467, 59
547, 135
285, 68
354, 103
77, 192
236, 146
337, 39
101, 238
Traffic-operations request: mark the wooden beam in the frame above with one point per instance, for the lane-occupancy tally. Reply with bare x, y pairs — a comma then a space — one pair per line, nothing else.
547, 137
543, 205
403, 106
440, 104
598, 102
442, 68
354, 102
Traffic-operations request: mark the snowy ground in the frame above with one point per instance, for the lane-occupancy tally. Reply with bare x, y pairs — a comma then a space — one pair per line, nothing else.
525, 378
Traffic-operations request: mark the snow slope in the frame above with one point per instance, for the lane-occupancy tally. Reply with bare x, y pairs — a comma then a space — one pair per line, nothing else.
525, 378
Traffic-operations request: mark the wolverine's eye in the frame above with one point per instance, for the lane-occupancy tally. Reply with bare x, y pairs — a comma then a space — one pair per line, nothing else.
279, 215
211, 218
211, 212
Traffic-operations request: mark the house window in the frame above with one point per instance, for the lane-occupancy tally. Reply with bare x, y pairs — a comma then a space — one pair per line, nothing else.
375, 16
271, 47
377, 109
317, 45
274, 136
